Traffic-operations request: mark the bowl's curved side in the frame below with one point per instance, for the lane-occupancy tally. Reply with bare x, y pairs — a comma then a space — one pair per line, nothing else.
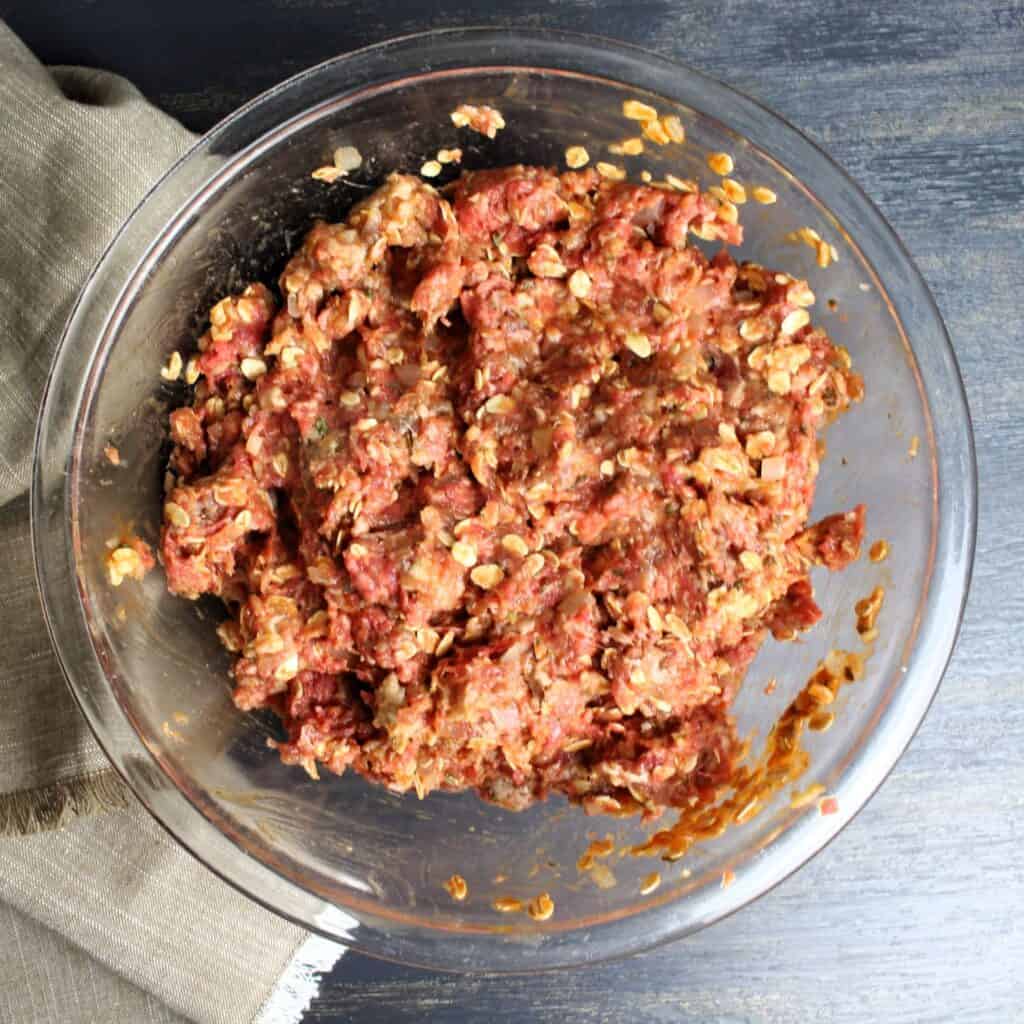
150, 234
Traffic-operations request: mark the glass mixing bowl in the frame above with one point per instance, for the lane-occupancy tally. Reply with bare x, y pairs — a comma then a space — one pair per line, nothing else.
350, 860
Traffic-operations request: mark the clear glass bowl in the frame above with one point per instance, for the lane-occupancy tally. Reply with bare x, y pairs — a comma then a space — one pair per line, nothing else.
353, 861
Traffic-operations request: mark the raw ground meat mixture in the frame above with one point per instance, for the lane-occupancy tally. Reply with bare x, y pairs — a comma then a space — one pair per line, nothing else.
507, 491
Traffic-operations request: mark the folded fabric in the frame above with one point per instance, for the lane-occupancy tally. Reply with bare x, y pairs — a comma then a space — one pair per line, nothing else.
139, 929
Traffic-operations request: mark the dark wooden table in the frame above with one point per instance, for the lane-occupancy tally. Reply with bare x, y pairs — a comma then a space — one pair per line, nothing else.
914, 913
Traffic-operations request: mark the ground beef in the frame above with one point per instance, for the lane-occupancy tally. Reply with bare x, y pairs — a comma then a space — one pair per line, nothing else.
509, 487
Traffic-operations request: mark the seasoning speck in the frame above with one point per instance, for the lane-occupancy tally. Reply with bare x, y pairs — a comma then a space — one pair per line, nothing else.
597, 848
507, 905
674, 127
131, 560
628, 147
464, 553
541, 907
807, 796
720, 163
347, 158
638, 344
637, 111
579, 284
794, 321
576, 157
656, 132
821, 721
252, 368
457, 888
734, 191
611, 172
328, 174
879, 551
867, 610
828, 805
171, 370
601, 875
485, 120
650, 883
681, 184
487, 576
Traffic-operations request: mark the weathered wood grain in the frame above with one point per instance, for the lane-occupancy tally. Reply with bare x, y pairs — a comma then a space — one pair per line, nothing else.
914, 913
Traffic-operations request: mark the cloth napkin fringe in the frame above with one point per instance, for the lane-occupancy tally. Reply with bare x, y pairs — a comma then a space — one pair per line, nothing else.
49, 807
300, 982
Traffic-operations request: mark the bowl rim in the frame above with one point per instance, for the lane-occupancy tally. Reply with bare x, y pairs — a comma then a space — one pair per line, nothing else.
943, 606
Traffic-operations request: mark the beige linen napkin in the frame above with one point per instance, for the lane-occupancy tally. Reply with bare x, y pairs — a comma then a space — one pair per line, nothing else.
102, 917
